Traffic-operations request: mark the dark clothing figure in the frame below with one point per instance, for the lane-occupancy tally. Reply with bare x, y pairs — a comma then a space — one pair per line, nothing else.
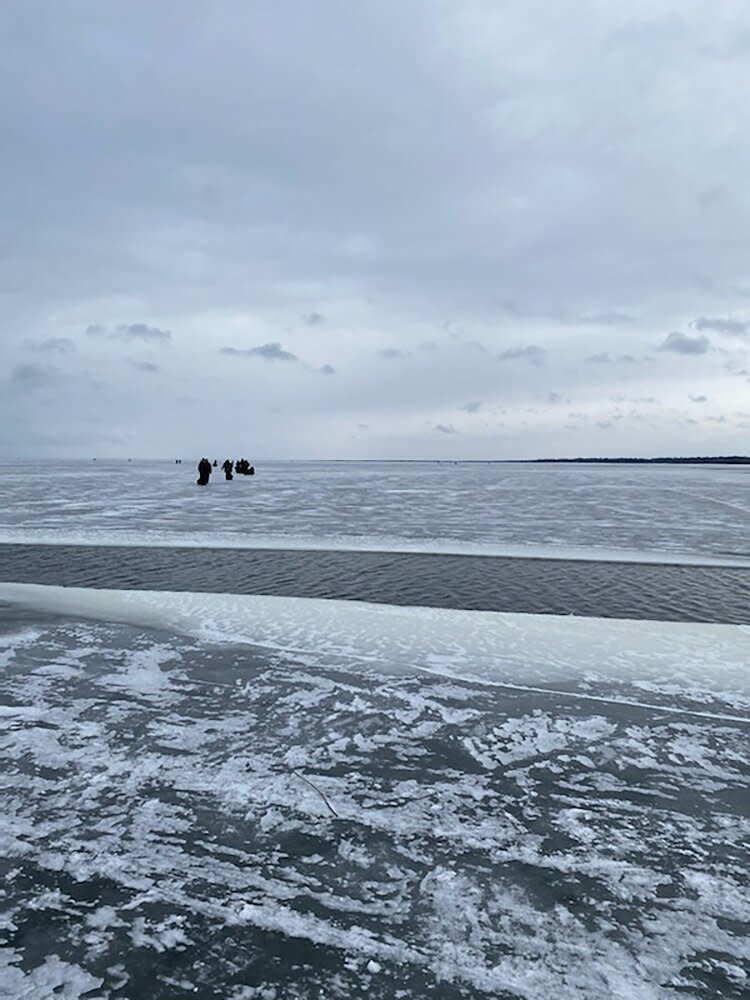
204, 472
216, 464
227, 467
251, 471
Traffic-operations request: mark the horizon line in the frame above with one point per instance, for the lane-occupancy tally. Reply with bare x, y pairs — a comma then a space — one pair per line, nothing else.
593, 459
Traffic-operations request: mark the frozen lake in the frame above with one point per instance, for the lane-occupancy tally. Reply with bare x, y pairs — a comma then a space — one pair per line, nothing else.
656, 513
269, 797
221, 779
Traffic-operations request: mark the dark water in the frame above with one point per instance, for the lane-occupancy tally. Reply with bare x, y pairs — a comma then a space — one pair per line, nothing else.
536, 586
183, 819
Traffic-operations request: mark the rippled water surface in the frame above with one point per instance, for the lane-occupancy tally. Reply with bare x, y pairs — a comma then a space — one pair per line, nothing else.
489, 583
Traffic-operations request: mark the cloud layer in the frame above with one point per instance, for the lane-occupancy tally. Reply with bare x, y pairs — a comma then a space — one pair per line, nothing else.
269, 352
682, 343
130, 331
431, 205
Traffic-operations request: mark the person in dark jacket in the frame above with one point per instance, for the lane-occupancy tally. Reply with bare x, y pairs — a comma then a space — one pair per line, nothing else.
227, 467
204, 472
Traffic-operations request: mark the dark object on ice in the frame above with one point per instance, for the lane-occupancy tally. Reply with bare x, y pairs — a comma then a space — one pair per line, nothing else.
243, 467
251, 471
216, 464
204, 472
227, 467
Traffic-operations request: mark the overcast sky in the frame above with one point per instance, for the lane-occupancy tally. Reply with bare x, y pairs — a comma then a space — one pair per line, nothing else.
428, 229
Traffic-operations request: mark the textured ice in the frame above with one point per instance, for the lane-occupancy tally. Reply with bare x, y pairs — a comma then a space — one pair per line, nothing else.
263, 797
586, 512
52, 980
497, 647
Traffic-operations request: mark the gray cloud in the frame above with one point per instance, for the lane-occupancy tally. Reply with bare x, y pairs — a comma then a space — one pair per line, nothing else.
532, 354
327, 370
682, 343
734, 327
130, 331
269, 352
698, 399
313, 318
391, 353
472, 407
446, 428
53, 345
144, 366
140, 331
33, 375
619, 398
607, 319
712, 197
606, 359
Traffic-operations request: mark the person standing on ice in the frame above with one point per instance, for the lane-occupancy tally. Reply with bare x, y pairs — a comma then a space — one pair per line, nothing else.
204, 472
227, 467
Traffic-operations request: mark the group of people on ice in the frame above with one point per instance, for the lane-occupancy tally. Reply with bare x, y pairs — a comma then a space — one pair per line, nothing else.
242, 467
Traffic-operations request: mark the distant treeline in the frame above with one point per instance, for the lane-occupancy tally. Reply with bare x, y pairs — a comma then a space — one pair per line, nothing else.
695, 460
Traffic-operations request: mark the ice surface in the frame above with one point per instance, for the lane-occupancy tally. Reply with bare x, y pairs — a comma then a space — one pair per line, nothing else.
52, 980
358, 543
496, 647
185, 817
585, 512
